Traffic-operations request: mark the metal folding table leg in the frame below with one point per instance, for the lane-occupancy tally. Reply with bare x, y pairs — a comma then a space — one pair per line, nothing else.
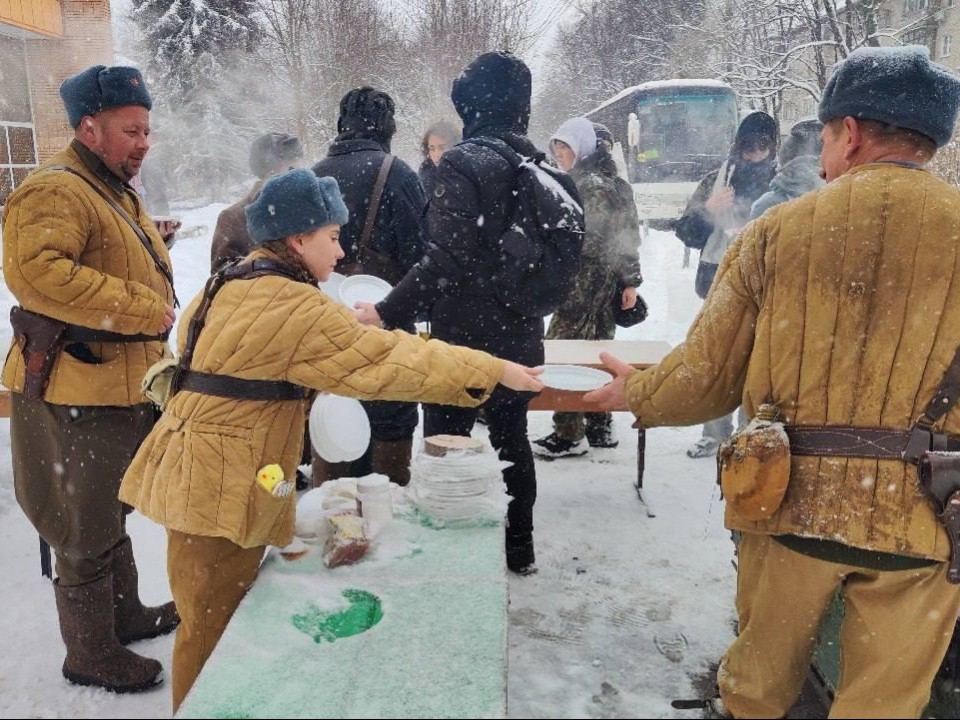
641, 461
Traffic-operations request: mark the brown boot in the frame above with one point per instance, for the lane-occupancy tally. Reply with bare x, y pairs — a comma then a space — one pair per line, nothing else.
392, 458
322, 471
132, 619
94, 657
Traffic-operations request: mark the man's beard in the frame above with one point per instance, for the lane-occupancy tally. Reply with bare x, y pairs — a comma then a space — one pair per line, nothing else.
126, 169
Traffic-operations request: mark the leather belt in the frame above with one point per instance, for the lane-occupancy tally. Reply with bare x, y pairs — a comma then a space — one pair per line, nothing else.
871, 443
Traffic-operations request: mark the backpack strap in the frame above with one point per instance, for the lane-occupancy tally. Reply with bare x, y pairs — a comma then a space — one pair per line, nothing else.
375, 199
504, 150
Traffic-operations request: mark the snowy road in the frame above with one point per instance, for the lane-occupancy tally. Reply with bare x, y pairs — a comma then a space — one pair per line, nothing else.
624, 611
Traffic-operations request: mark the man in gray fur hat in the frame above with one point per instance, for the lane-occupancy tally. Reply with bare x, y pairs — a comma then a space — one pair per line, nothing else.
840, 309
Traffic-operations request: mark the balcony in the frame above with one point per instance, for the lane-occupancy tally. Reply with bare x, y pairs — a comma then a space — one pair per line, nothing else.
31, 18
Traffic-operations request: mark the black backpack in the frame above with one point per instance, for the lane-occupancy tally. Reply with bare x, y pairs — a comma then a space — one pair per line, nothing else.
540, 250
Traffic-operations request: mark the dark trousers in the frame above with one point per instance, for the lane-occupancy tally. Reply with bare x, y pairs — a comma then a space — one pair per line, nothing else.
391, 421
506, 413
67, 466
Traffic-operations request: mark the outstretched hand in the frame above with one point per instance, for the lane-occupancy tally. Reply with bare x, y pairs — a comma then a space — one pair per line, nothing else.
613, 395
521, 378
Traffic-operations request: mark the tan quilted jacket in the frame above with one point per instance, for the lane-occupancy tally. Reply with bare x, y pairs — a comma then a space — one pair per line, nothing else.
196, 472
842, 307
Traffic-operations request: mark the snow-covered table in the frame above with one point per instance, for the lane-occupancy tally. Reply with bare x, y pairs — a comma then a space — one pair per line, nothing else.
639, 353
437, 603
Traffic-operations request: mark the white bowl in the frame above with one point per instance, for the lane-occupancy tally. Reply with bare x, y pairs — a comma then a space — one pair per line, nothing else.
365, 288
339, 428
331, 286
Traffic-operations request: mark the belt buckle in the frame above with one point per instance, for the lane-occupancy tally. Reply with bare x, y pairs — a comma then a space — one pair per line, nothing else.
920, 441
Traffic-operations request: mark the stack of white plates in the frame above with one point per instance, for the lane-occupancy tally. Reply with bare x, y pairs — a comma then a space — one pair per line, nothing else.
458, 486
363, 288
339, 428
331, 286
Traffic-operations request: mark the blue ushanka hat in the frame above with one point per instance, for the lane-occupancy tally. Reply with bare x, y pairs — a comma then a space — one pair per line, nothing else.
294, 202
100, 88
898, 86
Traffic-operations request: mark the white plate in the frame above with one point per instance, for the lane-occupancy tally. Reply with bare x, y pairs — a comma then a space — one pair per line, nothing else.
574, 377
339, 428
363, 288
331, 286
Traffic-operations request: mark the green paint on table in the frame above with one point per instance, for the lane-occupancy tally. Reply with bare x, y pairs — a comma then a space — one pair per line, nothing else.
364, 612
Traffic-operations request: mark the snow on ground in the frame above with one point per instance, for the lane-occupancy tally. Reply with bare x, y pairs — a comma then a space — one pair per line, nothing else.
625, 609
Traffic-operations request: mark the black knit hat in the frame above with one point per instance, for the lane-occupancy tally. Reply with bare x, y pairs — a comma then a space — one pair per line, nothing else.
367, 113
603, 133
272, 150
493, 92
758, 130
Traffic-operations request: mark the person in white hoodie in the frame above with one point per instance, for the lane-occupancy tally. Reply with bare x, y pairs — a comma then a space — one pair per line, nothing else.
609, 272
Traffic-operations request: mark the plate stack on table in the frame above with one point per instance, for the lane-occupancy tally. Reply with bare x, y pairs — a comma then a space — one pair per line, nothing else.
455, 480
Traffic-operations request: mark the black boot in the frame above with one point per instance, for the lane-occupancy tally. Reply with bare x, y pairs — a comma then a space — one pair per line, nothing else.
521, 558
94, 657
133, 620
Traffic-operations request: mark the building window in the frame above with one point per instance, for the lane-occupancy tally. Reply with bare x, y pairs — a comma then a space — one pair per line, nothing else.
18, 147
946, 45
919, 36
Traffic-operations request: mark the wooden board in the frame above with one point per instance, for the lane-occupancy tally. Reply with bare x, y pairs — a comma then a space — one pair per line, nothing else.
639, 353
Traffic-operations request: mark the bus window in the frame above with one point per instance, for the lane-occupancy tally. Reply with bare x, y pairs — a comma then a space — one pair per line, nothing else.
684, 130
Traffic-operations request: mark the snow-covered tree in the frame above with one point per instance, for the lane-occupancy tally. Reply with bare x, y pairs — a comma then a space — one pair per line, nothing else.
179, 32
198, 58
771, 50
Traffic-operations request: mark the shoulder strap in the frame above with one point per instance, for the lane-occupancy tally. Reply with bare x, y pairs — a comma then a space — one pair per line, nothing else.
375, 201
499, 147
236, 270
141, 235
948, 392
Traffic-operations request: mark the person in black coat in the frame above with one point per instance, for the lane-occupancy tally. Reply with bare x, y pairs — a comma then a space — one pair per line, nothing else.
366, 126
469, 210
439, 137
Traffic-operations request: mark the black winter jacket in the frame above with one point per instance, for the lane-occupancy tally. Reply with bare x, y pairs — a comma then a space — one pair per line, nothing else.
400, 229
468, 212
428, 177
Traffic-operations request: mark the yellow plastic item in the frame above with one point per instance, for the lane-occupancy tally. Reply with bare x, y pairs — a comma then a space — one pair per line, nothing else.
269, 476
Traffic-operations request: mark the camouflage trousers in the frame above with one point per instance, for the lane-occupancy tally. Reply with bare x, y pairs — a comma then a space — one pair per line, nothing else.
587, 314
